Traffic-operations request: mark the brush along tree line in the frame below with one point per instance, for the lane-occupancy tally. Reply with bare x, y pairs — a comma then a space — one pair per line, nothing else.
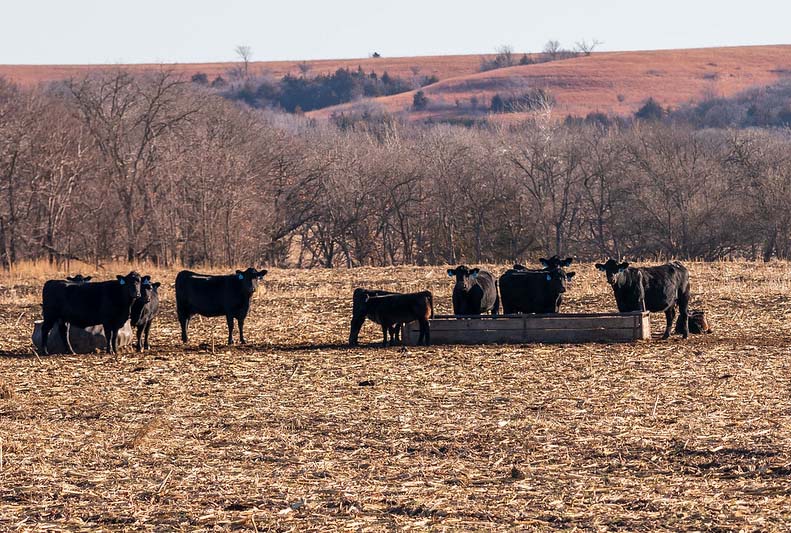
157, 168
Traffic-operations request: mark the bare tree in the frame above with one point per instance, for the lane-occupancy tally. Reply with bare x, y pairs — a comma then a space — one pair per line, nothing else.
586, 48
552, 49
245, 54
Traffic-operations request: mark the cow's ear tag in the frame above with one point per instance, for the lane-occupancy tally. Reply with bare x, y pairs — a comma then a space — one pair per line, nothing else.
549, 277
122, 281
146, 282
474, 275
621, 269
240, 276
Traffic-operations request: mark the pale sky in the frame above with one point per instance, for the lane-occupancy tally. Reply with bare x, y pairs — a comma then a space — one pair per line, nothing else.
163, 31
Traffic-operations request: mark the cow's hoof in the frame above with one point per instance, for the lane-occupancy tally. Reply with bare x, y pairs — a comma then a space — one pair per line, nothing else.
665, 337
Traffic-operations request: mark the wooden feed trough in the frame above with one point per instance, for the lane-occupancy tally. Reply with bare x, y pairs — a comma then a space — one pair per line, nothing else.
546, 328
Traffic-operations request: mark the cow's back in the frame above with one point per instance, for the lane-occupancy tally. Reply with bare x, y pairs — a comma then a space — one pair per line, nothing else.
203, 294
521, 291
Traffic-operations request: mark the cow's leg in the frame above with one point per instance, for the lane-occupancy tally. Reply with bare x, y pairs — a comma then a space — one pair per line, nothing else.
229, 319
496, 306
65, 335
683, 313
108, 335
425, 332
46, 326
354, 329
384, 335
184, 320
242, 340
115, 340
146, 345
139, 345
670, 314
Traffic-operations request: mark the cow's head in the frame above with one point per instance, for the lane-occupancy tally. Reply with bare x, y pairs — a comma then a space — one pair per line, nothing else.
78, 278
614, 269
555, 262
558, 279
131, 282
249, 279
147, 289
465, 277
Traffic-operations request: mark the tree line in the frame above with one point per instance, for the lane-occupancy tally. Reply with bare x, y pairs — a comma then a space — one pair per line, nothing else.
155, 168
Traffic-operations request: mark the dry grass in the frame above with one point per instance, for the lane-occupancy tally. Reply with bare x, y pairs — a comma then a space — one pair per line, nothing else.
586, 84
297, 432
441, 66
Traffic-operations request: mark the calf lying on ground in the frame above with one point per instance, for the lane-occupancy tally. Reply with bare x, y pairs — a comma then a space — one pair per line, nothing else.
229, 296
654, 289
698, 323
475, 291
391, 309
359, 314
144, 310
107, 303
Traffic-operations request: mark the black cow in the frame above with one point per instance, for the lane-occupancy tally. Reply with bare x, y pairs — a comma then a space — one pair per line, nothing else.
475, 291
654, 289
144, 310
107, 303
533, 291
392, 309
229, 296
360, 313
549, 264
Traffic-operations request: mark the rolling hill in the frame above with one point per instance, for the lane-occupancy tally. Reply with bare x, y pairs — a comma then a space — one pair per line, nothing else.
615, 83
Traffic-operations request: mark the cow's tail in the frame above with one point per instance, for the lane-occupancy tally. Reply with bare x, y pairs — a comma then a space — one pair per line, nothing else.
431, 303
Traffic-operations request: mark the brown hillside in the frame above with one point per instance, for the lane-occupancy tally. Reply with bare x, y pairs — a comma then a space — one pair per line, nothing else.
440, 66
610, 82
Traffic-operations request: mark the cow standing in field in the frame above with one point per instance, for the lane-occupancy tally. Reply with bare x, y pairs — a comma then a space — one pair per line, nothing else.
400, 309
107, 303
475, 291
654, 289
229, 296
533, 291
360, 313
144, 310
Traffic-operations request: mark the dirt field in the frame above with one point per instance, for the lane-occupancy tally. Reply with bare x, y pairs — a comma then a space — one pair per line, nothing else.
297, 432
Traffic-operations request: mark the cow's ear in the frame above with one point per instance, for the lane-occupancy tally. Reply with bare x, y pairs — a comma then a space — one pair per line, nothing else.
262, 273
623, 266
570, 275
474, 272
146, 280
87, 278
601, 267
156, 285
451, 272
544, 262
121, 279
567, 262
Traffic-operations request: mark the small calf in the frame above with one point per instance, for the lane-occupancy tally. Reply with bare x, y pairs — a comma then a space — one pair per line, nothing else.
144, 310
392, 309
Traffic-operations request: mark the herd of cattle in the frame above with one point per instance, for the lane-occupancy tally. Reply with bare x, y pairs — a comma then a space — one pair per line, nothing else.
76, 301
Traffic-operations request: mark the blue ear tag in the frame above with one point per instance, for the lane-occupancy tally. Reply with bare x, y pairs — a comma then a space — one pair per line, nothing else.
122, 281
146, 282
240, 276
474, 275
549, 277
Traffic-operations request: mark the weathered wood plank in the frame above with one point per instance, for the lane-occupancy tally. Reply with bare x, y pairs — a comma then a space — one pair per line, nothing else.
548, 328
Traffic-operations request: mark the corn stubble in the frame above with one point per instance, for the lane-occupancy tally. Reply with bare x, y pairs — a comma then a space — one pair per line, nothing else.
295, 431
